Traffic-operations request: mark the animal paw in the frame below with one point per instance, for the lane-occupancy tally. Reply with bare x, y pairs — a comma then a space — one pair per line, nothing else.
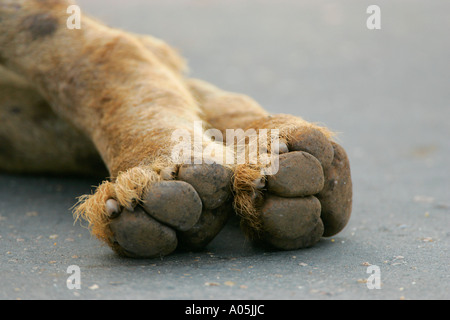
309, 197
146, 214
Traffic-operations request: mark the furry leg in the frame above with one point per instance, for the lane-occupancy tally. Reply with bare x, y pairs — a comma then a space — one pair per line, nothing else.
129, 103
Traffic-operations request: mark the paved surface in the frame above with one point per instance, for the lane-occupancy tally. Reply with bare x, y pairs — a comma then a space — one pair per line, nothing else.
385, 90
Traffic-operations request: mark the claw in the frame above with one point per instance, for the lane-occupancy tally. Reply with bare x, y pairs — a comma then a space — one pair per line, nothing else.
168, 173
259, 183
112, 208
283, 148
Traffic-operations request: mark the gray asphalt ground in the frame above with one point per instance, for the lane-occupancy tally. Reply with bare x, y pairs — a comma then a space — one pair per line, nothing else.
387, 93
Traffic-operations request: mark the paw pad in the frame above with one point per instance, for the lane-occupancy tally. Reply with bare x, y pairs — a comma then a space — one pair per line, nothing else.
139, 235
309, 197
187, 210
300, 174
175, 203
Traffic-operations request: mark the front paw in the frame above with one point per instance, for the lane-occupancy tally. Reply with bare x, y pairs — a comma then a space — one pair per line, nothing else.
141, 215
308, 198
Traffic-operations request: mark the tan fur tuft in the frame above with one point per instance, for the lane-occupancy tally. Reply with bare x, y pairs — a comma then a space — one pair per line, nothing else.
92, 209
129, 189
245, 195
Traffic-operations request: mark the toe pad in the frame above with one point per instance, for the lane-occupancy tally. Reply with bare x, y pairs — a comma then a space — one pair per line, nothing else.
211, 181
292, 223
299, 174
175, 203
140, 236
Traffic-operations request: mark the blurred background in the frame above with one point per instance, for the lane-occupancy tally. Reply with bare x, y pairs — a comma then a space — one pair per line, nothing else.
385, 91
